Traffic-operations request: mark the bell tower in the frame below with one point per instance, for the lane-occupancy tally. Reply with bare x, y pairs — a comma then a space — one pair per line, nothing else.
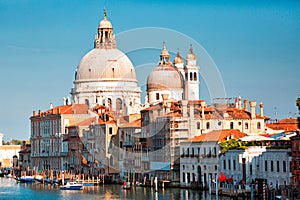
191, 77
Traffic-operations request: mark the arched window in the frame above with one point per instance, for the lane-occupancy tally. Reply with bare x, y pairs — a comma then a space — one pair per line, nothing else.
191, 76
118, 105
195, 76
198, 125
231, 125
87, 102
258, 125
246, 125
109, 103
207, 125
186, 76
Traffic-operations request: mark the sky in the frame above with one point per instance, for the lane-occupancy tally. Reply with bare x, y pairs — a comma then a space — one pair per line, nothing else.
253, 45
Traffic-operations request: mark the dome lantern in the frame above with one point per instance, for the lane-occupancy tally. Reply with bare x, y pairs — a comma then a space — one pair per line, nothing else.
105, 38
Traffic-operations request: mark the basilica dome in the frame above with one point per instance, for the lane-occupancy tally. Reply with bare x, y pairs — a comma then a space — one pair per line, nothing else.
164, 77
105, 64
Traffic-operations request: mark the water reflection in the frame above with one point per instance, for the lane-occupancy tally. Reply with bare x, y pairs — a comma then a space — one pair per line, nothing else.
10, 189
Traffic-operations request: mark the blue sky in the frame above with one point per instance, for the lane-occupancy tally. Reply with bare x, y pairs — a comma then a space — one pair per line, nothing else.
254, 44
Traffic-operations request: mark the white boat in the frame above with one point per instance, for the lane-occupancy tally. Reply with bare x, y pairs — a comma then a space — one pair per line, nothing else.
72, 186
25, 179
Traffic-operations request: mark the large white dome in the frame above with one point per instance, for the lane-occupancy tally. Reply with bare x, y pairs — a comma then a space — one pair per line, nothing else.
105, 64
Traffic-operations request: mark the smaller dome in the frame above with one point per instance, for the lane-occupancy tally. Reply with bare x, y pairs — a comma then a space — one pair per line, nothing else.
191, 55
105, 23
178, 59
164, 77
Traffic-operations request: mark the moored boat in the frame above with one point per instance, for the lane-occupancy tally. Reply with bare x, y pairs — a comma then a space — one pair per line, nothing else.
72, 186
25, 179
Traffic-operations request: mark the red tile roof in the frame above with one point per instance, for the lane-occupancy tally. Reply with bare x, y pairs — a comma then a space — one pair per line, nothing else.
287, 124
136, 123
219, 136
66, 109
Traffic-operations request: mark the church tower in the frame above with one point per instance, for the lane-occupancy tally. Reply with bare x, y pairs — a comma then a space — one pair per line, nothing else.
191, 77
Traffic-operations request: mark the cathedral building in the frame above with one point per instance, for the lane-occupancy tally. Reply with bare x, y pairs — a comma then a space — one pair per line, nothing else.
106, 76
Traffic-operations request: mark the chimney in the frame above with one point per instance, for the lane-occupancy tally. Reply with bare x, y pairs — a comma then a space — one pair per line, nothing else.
184, 108
252, 107
261, 106
245, 104
240, 103
202, 103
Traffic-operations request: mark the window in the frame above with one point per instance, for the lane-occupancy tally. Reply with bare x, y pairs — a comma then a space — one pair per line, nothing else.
110, 130
118, 105
231, 125
157, 96
284, 166
207, 125
183, 167
272, 167
198, 125
186, 76
195, 76
278, 166
250, 169
216, 167
258, 125
234, 165
266, 165
183, 177
229, 166
246, 125
224, 164
191, 76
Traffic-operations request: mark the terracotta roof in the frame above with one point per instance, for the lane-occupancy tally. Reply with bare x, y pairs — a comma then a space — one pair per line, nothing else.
288, 124
86, 122
66, 109
218, 136
136, 123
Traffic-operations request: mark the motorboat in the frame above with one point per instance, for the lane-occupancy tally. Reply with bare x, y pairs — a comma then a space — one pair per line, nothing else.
72, 186
26, 179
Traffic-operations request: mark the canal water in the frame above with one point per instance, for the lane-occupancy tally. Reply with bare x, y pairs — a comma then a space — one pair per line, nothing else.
10, 189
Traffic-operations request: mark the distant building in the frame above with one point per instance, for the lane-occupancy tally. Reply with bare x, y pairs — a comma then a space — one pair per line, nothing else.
24, 157
48, 151
9, 155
